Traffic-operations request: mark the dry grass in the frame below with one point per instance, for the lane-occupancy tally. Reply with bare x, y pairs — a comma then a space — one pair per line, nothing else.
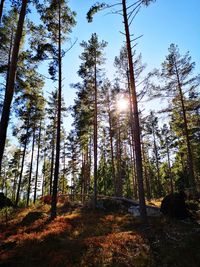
89, 238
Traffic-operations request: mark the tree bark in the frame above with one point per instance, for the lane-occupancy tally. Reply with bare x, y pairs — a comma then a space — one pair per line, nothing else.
148, 191
137, 143
52, 162
132, 136
11, 81
22, 167
37, 165
169, 167
111, 146
188, 144
1, 9
95, 136
159, 186
57, 161
31, 168
119, 163
44, 178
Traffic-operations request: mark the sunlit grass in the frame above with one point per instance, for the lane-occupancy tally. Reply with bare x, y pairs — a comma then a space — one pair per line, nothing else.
89, 238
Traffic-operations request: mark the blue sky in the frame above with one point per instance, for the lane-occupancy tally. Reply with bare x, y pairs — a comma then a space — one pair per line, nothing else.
162, 23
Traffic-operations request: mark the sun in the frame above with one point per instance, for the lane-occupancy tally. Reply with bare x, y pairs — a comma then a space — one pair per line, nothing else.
122, 104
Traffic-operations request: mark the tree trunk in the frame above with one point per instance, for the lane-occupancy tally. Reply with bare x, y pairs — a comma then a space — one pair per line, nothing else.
64, 173
95, 136
188, 144
119, 164
111, 146
11, 81
31, 168
134, 178
57, 161
37, 165
22, 167
1, 9
138, 155
148, 191
159, 186
52, 164
44, 178
169, 167
132, 135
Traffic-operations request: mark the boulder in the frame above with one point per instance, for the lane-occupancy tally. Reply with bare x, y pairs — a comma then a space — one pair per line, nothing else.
174, 206
5, 201
31, 217
151, 211
115, 203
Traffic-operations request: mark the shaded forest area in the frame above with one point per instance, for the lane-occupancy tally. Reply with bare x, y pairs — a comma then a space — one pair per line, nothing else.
114, 148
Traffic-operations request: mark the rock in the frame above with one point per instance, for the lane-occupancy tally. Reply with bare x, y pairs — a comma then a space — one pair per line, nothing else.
151, 211
5, 201
135, 210
174, 206
31, 217
115, 203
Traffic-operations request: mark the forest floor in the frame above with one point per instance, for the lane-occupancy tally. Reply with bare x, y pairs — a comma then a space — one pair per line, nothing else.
79, 237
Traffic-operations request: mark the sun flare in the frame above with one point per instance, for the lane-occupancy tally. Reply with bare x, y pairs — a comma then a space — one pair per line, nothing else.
122, 104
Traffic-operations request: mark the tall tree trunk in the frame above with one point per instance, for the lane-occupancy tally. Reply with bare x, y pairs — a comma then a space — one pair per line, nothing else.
138, 154
52, 164
159, 186
148, 191
16, 178
1, 9
22, 167
57, 161
44, 178
134, 178
188, 143
169, 167
37, 165
64, 173
95, 136
111, 146
31, 168
119, 163
132, 133
11, 81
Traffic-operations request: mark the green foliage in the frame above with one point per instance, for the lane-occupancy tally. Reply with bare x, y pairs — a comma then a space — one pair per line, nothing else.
94, 9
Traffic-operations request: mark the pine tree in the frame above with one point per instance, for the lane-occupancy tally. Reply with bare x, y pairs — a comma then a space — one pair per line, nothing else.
59, 19
11, 80
177, 72
92, 59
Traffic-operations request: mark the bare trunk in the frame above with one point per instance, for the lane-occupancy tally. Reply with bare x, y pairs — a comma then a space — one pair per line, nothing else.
188, 144
22, 168
132, 136
169, 167
111, 147
148, 192
1, 9
11, 81
159, 186
37, 165
119, 163
30, 171
138, 155
95, 136
44, 178
134, 179
52, 165
64, 173
57, 162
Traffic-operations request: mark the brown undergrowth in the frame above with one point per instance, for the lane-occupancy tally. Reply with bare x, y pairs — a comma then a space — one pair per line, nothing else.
88, 238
